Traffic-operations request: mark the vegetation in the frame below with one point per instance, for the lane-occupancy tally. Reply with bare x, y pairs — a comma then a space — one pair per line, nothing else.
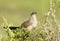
47, 30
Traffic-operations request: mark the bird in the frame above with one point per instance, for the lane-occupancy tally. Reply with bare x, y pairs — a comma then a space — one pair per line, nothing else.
31, 22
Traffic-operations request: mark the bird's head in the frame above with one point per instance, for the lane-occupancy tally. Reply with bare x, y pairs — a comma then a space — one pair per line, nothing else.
33, 13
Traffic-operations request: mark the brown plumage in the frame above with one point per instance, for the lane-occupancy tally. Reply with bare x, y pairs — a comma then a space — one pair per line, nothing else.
25, 24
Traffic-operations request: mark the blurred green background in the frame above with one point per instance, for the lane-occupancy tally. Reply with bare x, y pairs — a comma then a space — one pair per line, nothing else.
17, 11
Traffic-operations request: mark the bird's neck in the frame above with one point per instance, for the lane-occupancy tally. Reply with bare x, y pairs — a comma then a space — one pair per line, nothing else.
33, 17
